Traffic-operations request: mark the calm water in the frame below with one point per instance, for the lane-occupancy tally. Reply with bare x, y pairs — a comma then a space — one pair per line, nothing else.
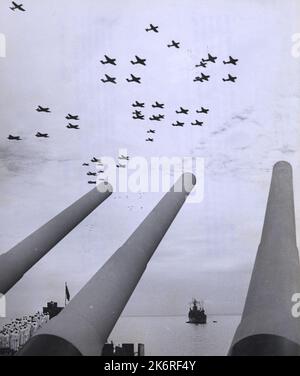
165, 336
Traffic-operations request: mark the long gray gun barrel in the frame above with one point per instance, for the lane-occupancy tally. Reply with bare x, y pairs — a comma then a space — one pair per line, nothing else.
83, 327
16, 262
267, 326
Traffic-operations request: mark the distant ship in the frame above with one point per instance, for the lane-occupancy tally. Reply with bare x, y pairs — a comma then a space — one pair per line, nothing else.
197, 313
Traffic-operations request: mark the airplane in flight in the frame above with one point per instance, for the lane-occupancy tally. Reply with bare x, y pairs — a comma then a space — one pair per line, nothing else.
43, 109
137, 115
152, 28
14, 138
120, 166
124, 158
202, 78
92, 182
134, 79
72, 117
178, 124
138, 104
95, 160
210, 59
71, 126
174, 44
197, 122
182, 111
42, 135
231, 61
18, 7
91, 174
101, 172
109, 79
139, 61
230, 79
151, 131
156, 118
108, 60
150, 139
202, 65
85, 165
203, 111
158, 105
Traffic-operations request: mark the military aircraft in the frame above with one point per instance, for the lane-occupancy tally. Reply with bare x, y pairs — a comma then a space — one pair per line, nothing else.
43, 109
72, 117
197, 122
203, 111
202, 78
151, 131
85, 164
202, 65
158, 105
178, 124
152, 28
18, 7
92, 182
91, 174
231, 61
137, 115
182, 111
134, 79
156, 118
71, 126
108, 60
138, 104
14, 138
42, 135
124, 158
210, 59
109, 79
230, 78
101, 172
95, 160
120, 166
139, 61
174, 44
150, 140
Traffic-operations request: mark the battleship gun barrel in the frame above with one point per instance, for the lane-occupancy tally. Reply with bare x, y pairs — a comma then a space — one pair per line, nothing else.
268, 327
16, 262
83, 327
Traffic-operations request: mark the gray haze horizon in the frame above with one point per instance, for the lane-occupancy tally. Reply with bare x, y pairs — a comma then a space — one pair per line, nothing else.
53, 59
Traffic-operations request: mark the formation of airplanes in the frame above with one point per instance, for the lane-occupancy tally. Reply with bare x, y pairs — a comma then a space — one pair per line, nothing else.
202, 78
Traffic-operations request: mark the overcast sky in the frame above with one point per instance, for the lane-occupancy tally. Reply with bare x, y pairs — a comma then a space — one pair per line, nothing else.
53, 59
